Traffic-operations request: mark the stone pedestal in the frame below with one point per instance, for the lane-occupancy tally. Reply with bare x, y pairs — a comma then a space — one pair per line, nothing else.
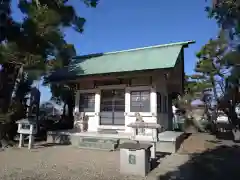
135, 159
143, 125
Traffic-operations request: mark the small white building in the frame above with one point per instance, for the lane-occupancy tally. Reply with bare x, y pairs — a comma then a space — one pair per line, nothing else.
112, 87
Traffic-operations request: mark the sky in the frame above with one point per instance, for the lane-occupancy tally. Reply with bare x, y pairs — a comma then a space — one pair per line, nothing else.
126, 24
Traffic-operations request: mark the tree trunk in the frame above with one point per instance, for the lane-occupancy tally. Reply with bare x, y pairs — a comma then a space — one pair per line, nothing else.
4, 134
7, 82
70, 103
3, 143
215, 110
64, 109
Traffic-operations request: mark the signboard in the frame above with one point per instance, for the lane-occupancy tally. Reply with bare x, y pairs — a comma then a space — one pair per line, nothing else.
132, 159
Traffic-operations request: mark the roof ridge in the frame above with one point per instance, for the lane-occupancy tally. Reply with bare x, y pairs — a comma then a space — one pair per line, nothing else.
149, 47
135, 49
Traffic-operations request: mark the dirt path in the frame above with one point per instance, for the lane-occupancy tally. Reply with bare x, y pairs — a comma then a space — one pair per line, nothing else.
202, 156
197, 143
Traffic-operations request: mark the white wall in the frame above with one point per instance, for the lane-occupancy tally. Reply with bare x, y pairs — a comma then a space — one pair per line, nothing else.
93, 117
159, 84
161, 87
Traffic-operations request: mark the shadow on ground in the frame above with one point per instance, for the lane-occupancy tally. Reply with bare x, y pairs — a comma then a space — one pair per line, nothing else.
227, 135
156, 162
44, 145
221, 163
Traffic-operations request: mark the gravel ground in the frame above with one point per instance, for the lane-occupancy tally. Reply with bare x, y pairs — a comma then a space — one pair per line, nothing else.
66, 162
60, 162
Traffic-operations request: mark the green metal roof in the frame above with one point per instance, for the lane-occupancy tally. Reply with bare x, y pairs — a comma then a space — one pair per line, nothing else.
147, 58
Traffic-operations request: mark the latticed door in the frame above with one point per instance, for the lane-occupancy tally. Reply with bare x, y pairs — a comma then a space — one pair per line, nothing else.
112, 107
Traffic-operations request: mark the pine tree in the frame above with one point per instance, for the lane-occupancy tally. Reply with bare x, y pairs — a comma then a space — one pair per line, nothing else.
36, 45
207, 84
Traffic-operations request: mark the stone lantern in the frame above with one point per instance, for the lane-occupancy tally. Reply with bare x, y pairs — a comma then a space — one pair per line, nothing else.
237, 109
80, 122
27, 127
198, 113
198, 110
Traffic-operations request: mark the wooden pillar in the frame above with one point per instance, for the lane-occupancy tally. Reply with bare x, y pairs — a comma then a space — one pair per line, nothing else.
127, 110
21, 140
77, 99
153, 105
97, 105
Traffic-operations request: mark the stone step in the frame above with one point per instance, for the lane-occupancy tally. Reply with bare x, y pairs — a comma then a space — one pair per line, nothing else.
56, 138
169, 141
99, 143
107, 131
97, 146
98, 139
85, 142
